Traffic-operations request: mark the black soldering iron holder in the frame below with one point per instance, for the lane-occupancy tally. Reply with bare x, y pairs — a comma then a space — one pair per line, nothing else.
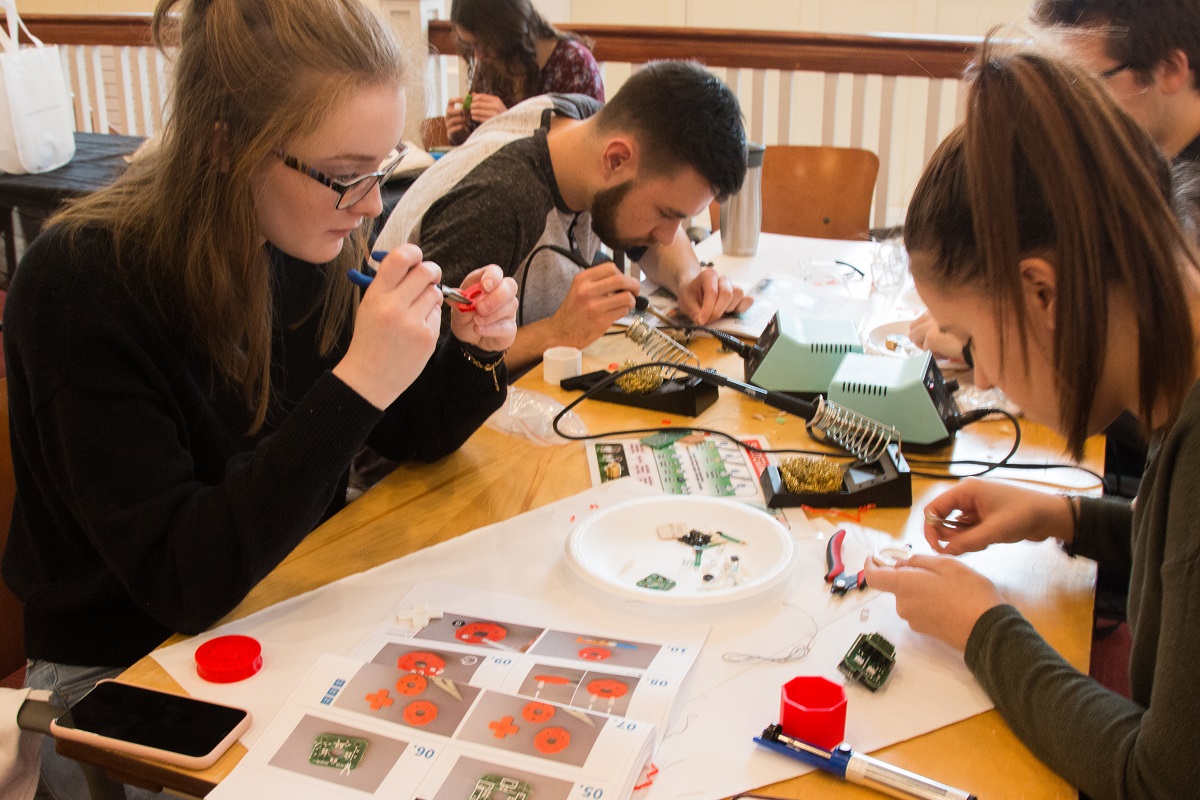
884, 483
687, 396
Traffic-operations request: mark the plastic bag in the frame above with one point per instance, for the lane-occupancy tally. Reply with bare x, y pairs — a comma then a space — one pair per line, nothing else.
971, 397
37, 118
531, 415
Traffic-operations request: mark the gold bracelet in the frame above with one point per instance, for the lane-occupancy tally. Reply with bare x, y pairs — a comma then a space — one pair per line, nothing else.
486, 367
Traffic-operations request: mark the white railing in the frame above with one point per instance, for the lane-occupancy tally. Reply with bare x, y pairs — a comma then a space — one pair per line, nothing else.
897, 96
119, 81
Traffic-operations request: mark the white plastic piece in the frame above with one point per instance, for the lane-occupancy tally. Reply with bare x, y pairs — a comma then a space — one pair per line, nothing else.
419, 615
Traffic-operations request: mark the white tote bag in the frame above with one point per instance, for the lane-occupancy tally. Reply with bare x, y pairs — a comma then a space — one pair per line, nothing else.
37, 120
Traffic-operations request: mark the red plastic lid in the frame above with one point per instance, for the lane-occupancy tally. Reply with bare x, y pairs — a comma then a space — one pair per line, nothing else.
227, 659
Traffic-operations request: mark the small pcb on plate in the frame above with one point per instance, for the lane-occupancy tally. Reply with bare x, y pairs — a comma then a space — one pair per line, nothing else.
655, 581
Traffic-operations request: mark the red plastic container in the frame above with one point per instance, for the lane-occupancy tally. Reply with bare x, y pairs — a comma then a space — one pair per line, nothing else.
227, 659
813, 709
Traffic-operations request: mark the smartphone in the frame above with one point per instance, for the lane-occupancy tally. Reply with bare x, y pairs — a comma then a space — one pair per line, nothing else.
151, 724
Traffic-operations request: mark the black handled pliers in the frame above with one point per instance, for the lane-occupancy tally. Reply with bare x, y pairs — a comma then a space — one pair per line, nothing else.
836, 573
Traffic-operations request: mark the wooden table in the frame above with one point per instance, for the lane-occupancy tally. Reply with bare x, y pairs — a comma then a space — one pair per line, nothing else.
495, 476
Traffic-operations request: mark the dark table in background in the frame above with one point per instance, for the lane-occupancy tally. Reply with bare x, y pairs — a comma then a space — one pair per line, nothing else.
99, 158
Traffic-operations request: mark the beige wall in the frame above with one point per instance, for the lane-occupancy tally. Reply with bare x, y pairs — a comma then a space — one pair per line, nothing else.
949, 17
83, 6
957, 17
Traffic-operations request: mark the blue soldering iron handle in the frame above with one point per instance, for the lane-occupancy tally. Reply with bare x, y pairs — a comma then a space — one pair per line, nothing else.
831, 761
863, 770
891, 780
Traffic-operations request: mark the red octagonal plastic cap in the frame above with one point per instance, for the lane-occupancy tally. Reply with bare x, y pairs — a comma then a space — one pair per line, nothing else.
227, 659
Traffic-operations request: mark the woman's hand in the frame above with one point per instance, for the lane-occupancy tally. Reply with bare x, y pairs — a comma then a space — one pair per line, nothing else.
938, 596
991, 513
493, 324
927, 335
485, 106
396, 328
456, 121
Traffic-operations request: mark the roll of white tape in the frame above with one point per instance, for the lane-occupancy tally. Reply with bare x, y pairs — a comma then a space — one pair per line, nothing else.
561, 362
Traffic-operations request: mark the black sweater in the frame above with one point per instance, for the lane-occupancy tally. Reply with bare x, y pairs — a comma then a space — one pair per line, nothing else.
143, 508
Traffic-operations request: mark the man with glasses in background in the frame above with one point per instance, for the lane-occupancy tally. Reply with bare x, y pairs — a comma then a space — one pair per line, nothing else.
1147, 52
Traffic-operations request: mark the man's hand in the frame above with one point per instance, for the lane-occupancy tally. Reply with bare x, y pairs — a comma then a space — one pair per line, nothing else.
711, 295
598, 297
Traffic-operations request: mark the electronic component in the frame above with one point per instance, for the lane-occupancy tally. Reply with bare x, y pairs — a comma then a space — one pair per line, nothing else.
664, 439
658, 582
869, 660
909, 393
671, 530
498, 787
799, 356
338, 752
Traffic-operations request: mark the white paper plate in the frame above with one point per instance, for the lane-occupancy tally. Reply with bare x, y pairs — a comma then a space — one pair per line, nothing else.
877, 343
607, 554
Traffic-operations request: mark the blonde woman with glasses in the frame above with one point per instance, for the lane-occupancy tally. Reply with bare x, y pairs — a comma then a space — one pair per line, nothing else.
191, 371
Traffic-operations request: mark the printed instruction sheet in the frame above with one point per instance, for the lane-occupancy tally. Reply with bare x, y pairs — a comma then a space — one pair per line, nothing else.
353, 728
448, 639
713, 466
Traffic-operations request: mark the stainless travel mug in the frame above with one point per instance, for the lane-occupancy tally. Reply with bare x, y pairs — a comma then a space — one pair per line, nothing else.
741, 213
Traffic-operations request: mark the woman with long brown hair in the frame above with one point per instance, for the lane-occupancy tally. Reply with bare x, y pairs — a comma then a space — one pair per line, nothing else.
190, 371
1042, 236
512, 54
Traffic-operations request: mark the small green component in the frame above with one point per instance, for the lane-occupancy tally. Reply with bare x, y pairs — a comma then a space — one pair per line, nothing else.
498, 787
664, 439
467, 104
655, 581
338, 752
869, 661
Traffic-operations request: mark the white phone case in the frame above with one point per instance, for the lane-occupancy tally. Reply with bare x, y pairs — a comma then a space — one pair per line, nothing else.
154, 753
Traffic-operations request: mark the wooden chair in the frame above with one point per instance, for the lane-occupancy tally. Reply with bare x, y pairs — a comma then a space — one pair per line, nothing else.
824, 192
12, 625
